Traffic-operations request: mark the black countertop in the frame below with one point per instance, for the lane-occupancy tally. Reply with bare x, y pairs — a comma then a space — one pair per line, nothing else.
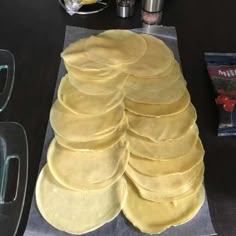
34, 32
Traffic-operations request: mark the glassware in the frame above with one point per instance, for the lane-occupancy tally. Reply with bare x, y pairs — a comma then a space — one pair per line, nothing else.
4, 168
7, 62
13, 148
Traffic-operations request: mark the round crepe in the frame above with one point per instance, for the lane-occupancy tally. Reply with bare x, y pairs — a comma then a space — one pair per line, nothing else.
163, 183
84, 104
87, 167
168, 95
76, 56
156, 110
168, 167
69, 177
77, 212
93, 75
144, 147
157, 58
99, 144
165, 127
81, 128
115, 47
99, 87
157, 82
174, 194
155, 217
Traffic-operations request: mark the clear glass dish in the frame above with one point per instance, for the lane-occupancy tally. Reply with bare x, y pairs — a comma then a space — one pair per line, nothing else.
13, 175
7, 62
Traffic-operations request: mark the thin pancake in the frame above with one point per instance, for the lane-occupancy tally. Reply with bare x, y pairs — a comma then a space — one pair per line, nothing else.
156, 110
168, 95
160, 195
93, 75
168, 167
84, 104
77, 212
184, 191
163, 128
143, 213
157, 82
76, 56
69, 177
84, 128
88, 167
163, 183
99, 87
157, 58
144, 147
115, 47
99, 144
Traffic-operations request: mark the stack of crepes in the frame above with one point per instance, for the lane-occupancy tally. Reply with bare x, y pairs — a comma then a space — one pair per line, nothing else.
155, 140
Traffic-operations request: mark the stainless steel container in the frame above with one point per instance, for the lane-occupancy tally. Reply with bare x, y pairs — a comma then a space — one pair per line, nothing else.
125, 8
152, 5
152, 12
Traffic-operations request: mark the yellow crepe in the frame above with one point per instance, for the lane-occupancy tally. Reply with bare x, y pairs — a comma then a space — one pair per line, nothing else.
157, 58
99, 87
157, 82
175, 194
84, 104
93, 75
88, 167
154, 217
99, 144
168, 95
168, 167
81, 128
77, 212
144, 147
165, 127
70, 178
115, 47
163, 183
76, 56
156, 110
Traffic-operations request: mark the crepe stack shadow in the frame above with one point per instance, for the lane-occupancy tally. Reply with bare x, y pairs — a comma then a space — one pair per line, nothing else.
125, 138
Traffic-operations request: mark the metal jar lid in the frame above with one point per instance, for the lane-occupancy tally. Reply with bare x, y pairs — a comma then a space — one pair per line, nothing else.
152, 5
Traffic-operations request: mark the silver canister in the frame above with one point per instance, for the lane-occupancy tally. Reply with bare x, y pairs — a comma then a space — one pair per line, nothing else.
152, 12
153, 5
125, 8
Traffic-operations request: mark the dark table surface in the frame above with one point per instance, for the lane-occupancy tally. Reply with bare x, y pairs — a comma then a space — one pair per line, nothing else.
34, 32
